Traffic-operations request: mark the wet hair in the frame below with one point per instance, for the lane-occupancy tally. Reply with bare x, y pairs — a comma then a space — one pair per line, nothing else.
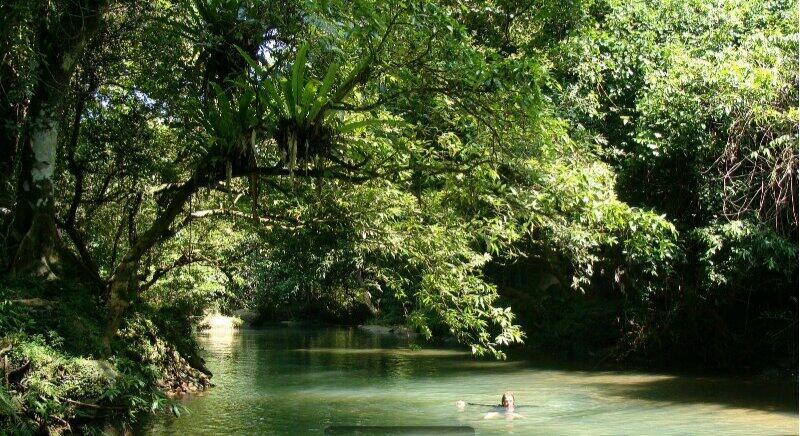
504, 400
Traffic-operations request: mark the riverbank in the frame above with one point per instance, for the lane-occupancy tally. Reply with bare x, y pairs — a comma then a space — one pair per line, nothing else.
55, 377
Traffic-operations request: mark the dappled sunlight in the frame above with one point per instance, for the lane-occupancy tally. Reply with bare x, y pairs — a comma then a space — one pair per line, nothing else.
220, 330
217, 322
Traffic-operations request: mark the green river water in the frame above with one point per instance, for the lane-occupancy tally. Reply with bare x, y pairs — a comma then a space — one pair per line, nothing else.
303, 380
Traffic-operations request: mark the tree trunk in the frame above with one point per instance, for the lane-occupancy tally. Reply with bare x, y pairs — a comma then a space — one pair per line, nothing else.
124, 284
122, 288
38, 250
36, 246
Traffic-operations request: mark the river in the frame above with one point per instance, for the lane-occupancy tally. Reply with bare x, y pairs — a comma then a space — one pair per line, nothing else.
303, 380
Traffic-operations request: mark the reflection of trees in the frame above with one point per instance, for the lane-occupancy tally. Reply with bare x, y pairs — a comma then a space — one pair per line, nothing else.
285, 359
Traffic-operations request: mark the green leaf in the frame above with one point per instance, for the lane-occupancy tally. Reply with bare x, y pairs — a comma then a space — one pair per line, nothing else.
259, 70
322, 93
298, 77
288, 96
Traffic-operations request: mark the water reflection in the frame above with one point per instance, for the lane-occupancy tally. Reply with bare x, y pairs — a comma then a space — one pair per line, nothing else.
300, 381
385, 351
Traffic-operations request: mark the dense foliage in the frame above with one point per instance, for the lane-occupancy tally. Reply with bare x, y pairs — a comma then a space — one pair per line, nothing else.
600, 178
695, 106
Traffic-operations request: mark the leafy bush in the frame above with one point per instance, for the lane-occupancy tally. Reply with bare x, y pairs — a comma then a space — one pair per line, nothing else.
57, 382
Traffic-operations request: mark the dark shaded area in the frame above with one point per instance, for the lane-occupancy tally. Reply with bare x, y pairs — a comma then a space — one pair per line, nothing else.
750, 394
745, 326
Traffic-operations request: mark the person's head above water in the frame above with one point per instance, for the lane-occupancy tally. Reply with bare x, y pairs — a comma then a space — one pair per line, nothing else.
507, 400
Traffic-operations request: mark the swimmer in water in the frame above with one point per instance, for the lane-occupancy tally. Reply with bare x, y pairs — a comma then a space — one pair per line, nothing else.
507, 401
506, 409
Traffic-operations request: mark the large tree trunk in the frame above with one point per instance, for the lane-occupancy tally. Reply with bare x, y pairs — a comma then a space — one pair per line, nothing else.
35, 246
38, 249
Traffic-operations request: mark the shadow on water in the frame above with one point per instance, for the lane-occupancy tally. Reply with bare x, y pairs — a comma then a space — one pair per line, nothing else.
770, 397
